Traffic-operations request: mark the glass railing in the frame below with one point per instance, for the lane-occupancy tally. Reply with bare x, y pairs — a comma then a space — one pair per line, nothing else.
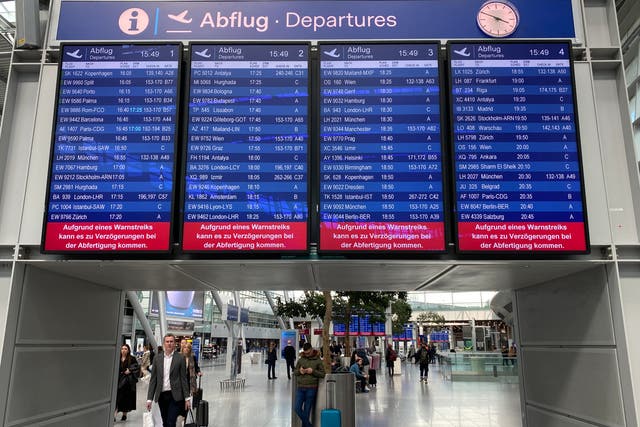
470, 366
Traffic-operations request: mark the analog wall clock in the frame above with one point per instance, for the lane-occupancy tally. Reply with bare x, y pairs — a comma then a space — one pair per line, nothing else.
498, 18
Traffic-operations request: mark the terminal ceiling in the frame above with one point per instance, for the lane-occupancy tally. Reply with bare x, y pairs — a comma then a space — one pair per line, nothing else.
323, 274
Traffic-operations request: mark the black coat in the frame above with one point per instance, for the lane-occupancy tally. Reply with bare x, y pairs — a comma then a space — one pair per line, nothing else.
126, 397
272, 354
290, 353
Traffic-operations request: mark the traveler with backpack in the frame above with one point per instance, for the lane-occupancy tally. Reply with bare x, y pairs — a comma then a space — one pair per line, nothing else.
422, 356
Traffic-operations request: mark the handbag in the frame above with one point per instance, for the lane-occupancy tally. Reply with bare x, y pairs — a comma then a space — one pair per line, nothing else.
193, 420
124, 381
147, 419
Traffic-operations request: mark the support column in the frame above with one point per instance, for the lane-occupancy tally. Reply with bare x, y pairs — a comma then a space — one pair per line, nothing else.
137, 308
573, 353
42, 374
241, 335
162, 312
473, 334
286, 298
273, 308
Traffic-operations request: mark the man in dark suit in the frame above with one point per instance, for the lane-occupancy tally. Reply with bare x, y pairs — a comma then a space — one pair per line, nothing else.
168, 384
290, 356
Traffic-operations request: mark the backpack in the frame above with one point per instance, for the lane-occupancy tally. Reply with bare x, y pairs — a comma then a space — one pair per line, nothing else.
362, 353
393, 355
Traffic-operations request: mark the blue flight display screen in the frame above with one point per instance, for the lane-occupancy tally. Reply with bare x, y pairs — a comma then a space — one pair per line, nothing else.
339, 329
517, 166
111, 176
381, 184
365, 325
354, 325
246, 161
379, 329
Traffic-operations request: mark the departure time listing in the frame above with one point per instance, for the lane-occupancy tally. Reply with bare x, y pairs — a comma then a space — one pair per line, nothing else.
112, 170
247, 148
517, 162
381, 184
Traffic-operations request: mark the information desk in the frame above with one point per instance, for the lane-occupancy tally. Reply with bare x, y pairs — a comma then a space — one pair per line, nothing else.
518, 176
381, 184
111, 176
246, 160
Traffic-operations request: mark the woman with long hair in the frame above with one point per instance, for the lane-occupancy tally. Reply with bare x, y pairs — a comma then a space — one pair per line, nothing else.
127, 379
186, 349
146, 360
192, 372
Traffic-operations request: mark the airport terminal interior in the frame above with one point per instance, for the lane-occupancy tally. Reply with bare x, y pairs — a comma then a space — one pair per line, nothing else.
462, 174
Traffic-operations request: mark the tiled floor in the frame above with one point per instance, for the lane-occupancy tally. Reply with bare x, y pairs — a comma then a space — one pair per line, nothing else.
398, 401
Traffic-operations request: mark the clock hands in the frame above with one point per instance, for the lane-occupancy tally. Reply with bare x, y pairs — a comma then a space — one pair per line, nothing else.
497, 18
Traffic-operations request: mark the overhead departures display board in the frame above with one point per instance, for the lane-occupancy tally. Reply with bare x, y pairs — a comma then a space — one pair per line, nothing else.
246, 160
517, 166
111, 176
381, 183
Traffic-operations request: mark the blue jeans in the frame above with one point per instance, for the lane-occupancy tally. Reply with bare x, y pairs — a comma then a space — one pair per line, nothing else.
305, 397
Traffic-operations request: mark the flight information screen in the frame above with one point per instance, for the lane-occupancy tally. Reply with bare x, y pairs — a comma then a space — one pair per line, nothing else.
381, 186
518, 178
111, 176
379, 329
247, 149
366, 328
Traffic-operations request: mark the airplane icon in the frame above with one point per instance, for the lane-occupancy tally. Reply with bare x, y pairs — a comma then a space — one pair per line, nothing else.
332, 53
75, 54
463, 52
205, 53
181, 17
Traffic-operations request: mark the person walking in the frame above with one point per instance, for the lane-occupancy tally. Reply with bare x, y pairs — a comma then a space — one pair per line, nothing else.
423, 356
513, 353
127, 379
390, 357
290, 356
505, 355
169, 385
309, 370
272, 357
145, 362
192, 373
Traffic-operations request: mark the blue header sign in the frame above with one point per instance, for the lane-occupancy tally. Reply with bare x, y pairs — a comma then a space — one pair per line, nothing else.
195, 348
300, 20
232, 313
244, 315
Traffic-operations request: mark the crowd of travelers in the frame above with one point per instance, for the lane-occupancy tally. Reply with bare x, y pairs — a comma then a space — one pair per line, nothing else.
172, 374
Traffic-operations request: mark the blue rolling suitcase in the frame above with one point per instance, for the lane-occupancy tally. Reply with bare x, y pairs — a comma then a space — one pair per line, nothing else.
330, 417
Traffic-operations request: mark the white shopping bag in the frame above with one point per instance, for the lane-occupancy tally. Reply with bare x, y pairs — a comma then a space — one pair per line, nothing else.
157, 416
147, 419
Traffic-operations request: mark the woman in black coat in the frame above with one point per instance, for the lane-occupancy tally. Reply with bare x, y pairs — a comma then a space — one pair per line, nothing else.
272, 356
127, 379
